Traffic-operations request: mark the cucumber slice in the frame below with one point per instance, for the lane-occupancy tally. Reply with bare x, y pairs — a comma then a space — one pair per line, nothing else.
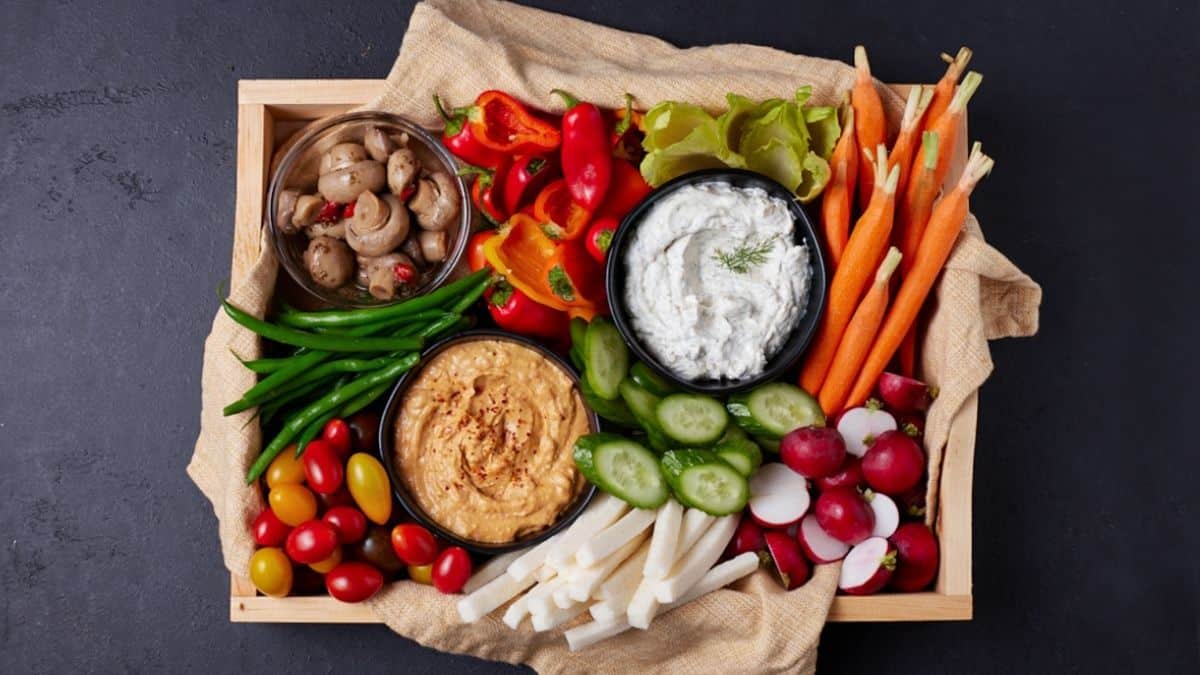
578, 332
614, 411
733, 432
606, 358
576, 355
643, 405
692, 419
650, 381
742, 454
623, 469
768, 444
774, 409
704, 481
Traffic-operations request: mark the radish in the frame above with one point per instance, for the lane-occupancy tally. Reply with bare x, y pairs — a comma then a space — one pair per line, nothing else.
817, 544
850, 475
912, 502
887, 516
778, 496
868, 567
860, 426
788, 562
904, 394
845, 515
894, 464
813, 452
747, 537
912, 425
916, 557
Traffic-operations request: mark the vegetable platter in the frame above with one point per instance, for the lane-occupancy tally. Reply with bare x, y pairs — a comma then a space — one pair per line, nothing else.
270, 112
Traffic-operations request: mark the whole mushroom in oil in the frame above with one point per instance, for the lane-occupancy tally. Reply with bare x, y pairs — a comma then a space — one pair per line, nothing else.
347, 171
382, 275
329, 261
435, 202
379, 224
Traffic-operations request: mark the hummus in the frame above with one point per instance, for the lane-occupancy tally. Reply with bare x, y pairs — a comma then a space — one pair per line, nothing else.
715, 281
484, 440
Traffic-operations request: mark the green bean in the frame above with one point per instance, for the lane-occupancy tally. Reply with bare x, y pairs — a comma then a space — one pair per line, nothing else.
266, 366
474, 293
310, 432
365, 399
329, 343
321, 372
331, 401
356, 317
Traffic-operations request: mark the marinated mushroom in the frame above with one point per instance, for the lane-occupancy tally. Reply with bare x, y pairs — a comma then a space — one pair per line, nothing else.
402, 167
341, 156
335, 229
379, 225
346, 172
412, 248
433, 244
285, 208
329, 261
436, 202
378, 144
382, 275
306, 210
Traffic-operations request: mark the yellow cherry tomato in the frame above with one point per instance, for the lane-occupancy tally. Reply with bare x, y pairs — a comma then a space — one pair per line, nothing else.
292, 503
422, 574
271, 572
285, 469
328, 563
369, 486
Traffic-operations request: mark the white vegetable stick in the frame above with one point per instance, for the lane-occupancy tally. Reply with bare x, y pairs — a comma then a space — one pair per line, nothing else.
492, 569
664, 541
695, 524
624, 581
602, 513
517, 611
562, 596
605, 610
614, 537
544, 573
643, 607
581, 637
541, 601
529, 561
588, 579
696, 561
493, 594
556, 616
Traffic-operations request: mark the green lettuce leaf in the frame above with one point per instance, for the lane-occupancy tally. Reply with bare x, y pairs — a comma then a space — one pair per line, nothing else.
701, 149
670, 122
815, 176
777, 160
823, 129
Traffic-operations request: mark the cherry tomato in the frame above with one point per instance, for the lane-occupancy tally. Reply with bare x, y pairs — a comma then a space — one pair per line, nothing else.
268, 529
311, 542
414, 544
349, 522
337, 434
353, 581
271, 572
452, 569
599, 237
286, 468
364, 430
340, 498
322, 467
422, 574
329, 563
292, 503
369, 486
376, 548
475, 258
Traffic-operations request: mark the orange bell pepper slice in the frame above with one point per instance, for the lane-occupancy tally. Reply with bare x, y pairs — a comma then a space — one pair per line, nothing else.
555, 207
523, 253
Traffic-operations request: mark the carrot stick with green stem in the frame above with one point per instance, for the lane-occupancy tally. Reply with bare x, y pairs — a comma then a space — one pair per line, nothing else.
910, 133
912, 214
946, 126
838, 200
870, 123
944, 91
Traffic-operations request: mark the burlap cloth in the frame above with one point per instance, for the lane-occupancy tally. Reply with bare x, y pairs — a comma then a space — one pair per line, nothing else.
458, 49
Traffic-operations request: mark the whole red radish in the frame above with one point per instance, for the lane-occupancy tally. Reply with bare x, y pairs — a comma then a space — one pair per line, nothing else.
893, 464
913, 425
845, 515
747, 537
903, 394
787, 560
850, 475
916, 557
817, 544
912, 502
868, 567
813, 452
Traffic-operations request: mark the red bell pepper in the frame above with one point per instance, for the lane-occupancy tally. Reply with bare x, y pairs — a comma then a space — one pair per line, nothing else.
526, 178
599, 237
627, 189
487, 190
516, 312
501, 123
573, 274
527, 257
563, 218
586, 152
460, 140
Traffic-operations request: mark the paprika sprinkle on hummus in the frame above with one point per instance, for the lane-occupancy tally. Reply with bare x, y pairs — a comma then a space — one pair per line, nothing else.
484, 440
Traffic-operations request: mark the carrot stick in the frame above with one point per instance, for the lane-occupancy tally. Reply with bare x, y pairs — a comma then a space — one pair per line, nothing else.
910, 131
860, 333
915, 206
863, 252
946, 127
943, 93
870, 124
940, 235
838, 200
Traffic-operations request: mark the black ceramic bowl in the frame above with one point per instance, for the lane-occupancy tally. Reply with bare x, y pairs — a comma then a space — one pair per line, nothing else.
386, 447
804, 232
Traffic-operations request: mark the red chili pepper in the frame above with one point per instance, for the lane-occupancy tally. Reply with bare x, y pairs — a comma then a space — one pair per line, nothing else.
586, 152
348, 210
486, 191
501, 123
404, 273
330, 211
526, 178
599, 237
460, 140
514, 311
626, 190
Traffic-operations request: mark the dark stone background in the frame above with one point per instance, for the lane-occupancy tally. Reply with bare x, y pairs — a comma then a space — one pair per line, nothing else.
117, 161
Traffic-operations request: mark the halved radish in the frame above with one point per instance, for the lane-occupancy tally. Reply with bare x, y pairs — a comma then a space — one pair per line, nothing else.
817, 544
916, 557
778, 496
887, 515
868, 567
904, 394
791, 569
860, 426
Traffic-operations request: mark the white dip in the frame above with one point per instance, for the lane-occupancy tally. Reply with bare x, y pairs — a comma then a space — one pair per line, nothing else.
715, 282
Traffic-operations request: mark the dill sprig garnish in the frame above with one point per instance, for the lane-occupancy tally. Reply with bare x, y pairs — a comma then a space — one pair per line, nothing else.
742, 258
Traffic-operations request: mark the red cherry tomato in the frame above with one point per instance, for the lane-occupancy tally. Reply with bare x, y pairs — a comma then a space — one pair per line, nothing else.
451, 570
340, 498
364, 430
337, 434
311, 542
353, 581
414, 544
349, 522
323, 469
268, 529
475, 258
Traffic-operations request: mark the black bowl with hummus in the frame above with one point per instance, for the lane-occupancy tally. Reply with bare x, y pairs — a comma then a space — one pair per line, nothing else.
717, 280
478, 442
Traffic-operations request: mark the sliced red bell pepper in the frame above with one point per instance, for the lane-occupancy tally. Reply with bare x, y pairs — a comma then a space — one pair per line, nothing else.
501, 123
628, 188
526, 178
599, 237
516, 312
487, 190
586, 152
554, 206
460, 140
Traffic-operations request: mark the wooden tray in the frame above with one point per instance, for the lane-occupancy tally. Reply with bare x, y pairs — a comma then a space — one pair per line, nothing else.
269, 111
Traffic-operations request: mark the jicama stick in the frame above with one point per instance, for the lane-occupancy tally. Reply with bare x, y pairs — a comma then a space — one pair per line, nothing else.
607, 609
944, 226
945, 89
541, 597
859, 336
490, 596
582, 637
910, 132
867, 244
619, 587
588, 579
602, 513
694, 563
532, 561
644, 604
556, 616
695, 524
912, 213
490, 570
615, 536
837, 203
664, 541
544, 573
870, 123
